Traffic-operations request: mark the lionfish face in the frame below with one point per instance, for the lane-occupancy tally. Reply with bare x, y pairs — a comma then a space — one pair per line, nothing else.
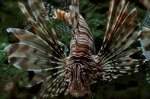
79, 80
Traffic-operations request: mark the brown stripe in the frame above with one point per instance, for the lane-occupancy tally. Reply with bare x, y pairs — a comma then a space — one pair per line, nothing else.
13, 48
23, 63
24, 48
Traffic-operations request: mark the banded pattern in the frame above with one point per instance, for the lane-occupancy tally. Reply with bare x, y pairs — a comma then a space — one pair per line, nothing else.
44, 54
62, 15
117, 42
40, 51
80, 59
82, 43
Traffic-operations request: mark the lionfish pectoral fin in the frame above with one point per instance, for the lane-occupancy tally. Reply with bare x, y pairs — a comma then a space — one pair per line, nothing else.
113, 57
121, 67
41, 52
54, 87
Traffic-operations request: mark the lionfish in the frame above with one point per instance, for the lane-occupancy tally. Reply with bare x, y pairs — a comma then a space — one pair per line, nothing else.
44, 54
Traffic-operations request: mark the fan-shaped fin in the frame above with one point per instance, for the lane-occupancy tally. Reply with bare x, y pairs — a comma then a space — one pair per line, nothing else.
125, 35
113, 57
120, 67
36, 41
55, 87
41, 52
42, 31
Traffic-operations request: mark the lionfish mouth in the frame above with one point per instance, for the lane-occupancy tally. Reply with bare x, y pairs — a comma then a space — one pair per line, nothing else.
78, 93
79, 81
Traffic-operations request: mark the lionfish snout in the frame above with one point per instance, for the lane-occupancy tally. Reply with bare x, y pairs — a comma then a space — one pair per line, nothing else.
79, 81
78, 93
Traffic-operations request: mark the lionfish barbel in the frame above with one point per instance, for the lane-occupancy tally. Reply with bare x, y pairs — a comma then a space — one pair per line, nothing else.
43, 53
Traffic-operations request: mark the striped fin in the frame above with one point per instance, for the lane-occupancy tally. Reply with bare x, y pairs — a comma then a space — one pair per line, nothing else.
25, 37
42, 30
120, 67
26, 50
125, 35
109, 18
29, 58
37, 7
126, 41
128, 52
62, 15
32, 64
54, 87
120, 14
145, 42
74, 7
82, 36
41, 52
38, 30
38, 78
48, 74
114, 55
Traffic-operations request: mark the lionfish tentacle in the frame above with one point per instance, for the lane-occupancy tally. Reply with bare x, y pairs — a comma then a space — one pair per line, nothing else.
41, 52
122, 35
109, 19
62, 15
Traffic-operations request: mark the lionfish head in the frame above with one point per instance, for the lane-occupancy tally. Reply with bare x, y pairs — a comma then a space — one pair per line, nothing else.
79, 80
